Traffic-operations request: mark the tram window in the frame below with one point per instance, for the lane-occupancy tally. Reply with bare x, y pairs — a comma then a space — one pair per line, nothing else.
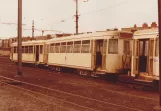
15, 49
69, 47
85, 46
144, 48
30, 49
136, 48
57, 47
52, 48
151, 47
63, 47
126, 47
77, 46
41, 49
47, 49
25, 49
157, 48
113, 46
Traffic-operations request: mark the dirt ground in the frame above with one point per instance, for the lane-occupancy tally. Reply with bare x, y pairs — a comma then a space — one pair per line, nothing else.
114, 97
12, 99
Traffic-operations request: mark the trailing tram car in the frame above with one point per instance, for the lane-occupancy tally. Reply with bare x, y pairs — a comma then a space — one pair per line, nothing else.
32, 52
92, 53
145, 58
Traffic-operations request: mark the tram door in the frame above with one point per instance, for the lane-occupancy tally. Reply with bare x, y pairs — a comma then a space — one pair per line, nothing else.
135, 57
99, 53
46, 51
37, 53
11, 53
143, 55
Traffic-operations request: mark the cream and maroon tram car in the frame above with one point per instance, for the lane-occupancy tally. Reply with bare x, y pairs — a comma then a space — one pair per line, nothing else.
99, 52
145, 58
32, 52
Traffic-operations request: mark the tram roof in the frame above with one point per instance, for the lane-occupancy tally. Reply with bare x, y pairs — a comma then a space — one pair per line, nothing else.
34, 42
146, 33
94, 35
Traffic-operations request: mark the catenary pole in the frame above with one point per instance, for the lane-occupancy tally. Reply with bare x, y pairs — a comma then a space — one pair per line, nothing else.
77, 16
33, 29
19, 38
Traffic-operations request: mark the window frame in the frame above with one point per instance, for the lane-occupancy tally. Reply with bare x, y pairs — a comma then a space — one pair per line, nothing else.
157, 47
63, 47
109, 46
30, 49
83, 46
69, 47
77, 43
57, 45
41, 49
128, 47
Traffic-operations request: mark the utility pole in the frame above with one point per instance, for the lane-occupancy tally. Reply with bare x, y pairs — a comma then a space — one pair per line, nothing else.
159, 21
77, 16
42, 33
33, 29
159, 31
19, 38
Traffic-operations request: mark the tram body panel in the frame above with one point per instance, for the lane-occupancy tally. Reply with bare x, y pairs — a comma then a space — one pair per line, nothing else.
96, 56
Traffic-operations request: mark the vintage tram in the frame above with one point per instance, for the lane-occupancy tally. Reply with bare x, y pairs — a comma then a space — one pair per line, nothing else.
91, 54
145, 58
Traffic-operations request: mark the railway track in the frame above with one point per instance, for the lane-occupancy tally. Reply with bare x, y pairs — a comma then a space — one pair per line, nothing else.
100, 96
86, 103
129, 84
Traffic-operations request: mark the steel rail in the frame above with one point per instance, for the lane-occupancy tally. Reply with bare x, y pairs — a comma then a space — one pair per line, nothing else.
71, 94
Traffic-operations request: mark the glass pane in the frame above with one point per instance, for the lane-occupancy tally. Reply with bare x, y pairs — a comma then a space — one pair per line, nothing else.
85, 48
41, 49
146, 48
157, 48
113, 46
69, 48
126, 47
30, 49
77, 46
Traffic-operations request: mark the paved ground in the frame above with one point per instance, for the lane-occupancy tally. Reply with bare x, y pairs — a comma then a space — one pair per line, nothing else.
114, 96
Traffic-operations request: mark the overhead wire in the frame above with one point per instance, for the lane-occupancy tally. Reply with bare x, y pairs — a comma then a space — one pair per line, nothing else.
95, 11
105, 8
68, 18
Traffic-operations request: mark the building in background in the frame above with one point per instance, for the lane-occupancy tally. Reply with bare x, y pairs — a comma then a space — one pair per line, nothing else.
144, 26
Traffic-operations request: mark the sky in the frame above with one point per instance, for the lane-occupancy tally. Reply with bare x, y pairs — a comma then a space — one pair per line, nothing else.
94, 15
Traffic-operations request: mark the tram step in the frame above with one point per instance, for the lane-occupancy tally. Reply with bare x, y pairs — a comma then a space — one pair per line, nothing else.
143, 82
100, 72
146, 81
147, 78
132, 80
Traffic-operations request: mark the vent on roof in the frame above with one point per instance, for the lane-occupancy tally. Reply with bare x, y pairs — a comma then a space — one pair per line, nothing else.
100, 31
112, 29
89, 32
